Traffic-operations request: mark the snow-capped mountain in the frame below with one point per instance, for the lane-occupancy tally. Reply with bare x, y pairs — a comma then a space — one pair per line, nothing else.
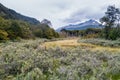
81, 26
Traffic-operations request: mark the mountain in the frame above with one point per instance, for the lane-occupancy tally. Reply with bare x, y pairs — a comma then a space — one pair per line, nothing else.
82, 26
11, 14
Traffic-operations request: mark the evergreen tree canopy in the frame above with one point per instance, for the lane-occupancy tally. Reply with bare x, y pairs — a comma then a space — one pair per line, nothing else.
111, 20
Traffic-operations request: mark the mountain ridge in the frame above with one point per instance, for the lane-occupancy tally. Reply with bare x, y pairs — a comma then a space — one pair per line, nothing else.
81, 26
11, 14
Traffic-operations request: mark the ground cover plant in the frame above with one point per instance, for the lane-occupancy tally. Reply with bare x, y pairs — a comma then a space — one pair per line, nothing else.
30, 60
101, 42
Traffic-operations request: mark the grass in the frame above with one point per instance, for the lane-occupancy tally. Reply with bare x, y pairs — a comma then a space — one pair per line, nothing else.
58, 60
93, 45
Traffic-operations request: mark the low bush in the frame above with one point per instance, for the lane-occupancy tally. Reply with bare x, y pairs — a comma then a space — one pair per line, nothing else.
28, 60
101, 42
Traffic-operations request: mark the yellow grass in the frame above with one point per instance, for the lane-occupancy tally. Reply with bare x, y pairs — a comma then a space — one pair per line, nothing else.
73, 43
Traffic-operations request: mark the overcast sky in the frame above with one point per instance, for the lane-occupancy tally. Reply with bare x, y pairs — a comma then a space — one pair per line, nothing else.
61, 12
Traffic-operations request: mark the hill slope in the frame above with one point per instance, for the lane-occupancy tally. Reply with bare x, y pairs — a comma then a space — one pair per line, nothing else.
11, 14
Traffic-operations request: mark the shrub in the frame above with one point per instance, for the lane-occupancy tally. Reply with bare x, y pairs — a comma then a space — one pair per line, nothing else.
3, 35
28, 60
101, 42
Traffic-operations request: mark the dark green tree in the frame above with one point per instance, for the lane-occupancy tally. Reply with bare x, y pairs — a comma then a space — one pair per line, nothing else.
15, 30
112, 15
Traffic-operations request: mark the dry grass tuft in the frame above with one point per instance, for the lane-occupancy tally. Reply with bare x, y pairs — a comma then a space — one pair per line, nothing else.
71, 43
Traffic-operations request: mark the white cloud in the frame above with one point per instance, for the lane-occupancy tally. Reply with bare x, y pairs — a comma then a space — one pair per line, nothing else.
61, 12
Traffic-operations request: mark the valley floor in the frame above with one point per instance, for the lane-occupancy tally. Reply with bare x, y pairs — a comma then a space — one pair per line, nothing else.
72, 43
67, 59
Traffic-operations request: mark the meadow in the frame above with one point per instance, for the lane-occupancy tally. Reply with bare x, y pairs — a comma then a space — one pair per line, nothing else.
65, 59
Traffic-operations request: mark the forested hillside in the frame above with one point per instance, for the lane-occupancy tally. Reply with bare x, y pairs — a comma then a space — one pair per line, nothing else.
16, 26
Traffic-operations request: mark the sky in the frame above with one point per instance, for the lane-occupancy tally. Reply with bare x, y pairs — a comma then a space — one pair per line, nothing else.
61, 12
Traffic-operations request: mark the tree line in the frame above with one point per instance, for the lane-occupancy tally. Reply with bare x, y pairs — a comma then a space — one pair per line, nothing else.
90, 33
15, 29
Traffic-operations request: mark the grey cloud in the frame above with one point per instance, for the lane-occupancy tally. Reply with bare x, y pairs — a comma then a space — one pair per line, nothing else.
61, 12
86, 13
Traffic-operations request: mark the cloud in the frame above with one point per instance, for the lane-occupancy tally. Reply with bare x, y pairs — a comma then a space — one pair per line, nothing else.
61, 12
86, 13
92, 10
